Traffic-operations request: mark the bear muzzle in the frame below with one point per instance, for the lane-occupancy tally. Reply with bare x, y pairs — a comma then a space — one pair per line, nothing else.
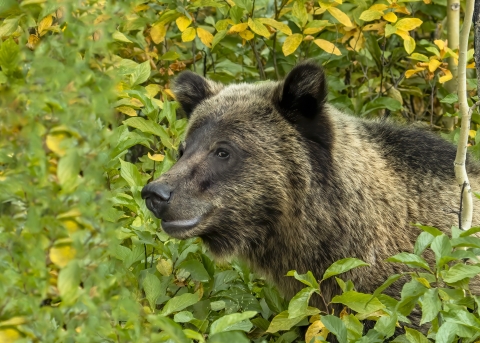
157, 198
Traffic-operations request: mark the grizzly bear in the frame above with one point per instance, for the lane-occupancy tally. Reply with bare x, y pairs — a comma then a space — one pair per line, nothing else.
272, 174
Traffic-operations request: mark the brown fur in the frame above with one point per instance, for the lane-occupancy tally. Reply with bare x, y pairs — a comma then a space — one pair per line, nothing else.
305, 185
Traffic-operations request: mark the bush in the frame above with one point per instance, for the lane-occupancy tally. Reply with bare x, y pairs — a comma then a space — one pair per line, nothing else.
88, 118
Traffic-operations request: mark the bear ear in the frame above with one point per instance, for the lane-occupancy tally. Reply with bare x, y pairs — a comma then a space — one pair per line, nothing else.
191, 89
303, 93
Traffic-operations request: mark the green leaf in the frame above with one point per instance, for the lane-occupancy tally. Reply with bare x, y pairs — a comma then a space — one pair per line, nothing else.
231, 336
299, 303
446, 333
441, 247
461, 271
218, 37
414, 336
423, 242
9, 26
343, 266
140, 74
68, 169
168, 56
386, 325
183, 317
179, 303
282, 322
359, 302
196, 270
171, 328
194, 335
335, 326
226, 322
431, 305
130, 173
9, 56
472, 231
391, 279
149, 126
410, 260
68, 282
382, 103
450, 99
430, 229
152, 288
307, 279
354, 327
411, 291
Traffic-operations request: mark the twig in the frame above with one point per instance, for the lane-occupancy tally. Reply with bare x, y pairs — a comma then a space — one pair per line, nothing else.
257, 57
461, 206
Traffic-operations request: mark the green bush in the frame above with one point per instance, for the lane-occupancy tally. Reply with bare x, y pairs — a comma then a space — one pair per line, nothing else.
88, 117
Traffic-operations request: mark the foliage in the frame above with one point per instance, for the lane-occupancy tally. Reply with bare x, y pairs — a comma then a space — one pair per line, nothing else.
88, 118
441, 291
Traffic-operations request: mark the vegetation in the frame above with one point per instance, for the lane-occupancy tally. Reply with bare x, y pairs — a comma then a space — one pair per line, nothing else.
88, 118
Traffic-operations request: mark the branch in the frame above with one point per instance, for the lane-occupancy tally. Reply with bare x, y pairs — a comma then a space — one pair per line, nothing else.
257, 57
453, 23
476, 42
460, 159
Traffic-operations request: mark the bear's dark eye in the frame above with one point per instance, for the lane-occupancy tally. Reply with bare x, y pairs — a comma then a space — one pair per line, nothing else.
222, 153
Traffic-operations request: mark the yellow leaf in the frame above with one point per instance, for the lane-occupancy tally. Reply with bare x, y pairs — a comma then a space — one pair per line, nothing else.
14, 321
54, 143
157, 33
409, 45
327, 46
70, 225
433, 64
188, 35
183, 22
117, 35
32, 42
471, 65
427, 1
205, 36
378, 7
402, 33
409, 73
291, 44
169, 93
419, 57
156, 157
400, 8
238, 28
223, 24
247, 34
408, 24
447, 77
312, 30
277, 25
61, 255
9, 335
440, 43
390, 30
391, 17
258, 27
370, 15
317, 329
152, 89
165, 267
127, 110
44, 24
340, 16
472, 133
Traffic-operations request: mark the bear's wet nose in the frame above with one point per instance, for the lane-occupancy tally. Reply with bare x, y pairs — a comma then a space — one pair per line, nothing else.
156, 197
161, 191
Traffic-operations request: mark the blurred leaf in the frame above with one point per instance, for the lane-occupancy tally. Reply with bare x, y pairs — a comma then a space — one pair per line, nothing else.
257, 27
179, 303
461, 271
291, 44
226, 322
335, 326
340, 16
327, 46
152, 287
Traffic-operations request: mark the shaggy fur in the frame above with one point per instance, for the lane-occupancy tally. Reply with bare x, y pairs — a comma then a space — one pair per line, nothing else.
304, 184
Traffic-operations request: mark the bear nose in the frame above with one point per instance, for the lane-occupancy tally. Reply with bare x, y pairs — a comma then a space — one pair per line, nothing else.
158, 192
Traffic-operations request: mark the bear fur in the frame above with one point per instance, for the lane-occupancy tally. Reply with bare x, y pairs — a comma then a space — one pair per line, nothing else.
272, 174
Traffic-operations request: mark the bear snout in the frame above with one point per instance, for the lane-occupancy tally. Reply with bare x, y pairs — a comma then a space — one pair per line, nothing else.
157, 196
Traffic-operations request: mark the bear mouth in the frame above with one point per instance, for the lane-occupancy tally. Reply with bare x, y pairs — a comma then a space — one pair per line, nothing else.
179, 227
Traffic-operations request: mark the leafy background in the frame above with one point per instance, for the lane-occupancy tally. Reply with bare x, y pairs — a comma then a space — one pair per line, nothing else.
88, 118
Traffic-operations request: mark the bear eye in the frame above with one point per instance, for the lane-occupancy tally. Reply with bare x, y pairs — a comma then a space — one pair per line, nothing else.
222, 153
